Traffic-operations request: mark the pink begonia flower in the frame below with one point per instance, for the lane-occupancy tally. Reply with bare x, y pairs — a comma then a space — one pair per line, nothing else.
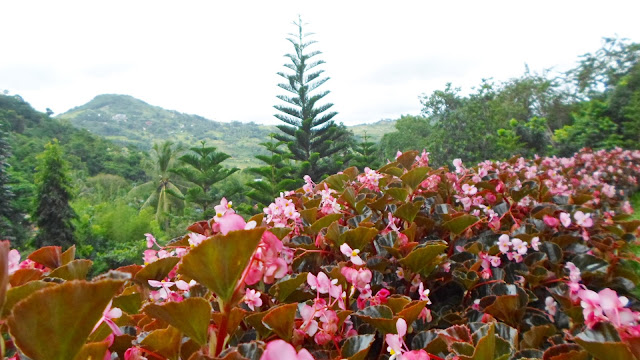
582, 219
195, 239
551, 306
469, 189
519, 246
551, 221
458, 164
282, 350
504, 243
107, 315
495, 261
395, 342
574, 272
149, 256
252, 299
134, 353
424, 294
151, 241
400, 273
416, 355
309, 325
309, 184
321, 282
423, 159
352, 254
14, 261
223, 208
565, 219
626, 207
358, 278
535, 243
398, 154
229, 222
165, 292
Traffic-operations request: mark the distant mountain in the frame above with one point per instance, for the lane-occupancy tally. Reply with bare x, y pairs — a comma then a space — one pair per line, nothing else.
127, 120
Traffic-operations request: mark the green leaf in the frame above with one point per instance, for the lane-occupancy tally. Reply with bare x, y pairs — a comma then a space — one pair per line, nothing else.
157, 270
287, 286
379, 316
420, 258
130, 303
415, 177
461, 223
49, 256
280, 319
219, 261
54, 323
408, 211
191, 316
280, 232
485, 345
323, 223
535, 337
356, 347
566, 352
255, 321
506, 308
336, 181
412, 310
603, 342
18, 293
358, 238
94, 350
165, 342
73, 270
397, 193
391, 169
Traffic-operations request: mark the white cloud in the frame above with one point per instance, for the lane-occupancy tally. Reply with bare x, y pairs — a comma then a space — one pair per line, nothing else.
219, 59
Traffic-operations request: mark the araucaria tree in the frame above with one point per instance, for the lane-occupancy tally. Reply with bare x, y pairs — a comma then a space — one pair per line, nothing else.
311, 135
53, 213
204, 170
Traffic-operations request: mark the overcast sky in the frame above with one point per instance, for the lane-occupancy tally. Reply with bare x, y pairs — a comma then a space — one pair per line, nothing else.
220, 59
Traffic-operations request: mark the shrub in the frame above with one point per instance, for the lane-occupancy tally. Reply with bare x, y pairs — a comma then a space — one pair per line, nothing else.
505, 260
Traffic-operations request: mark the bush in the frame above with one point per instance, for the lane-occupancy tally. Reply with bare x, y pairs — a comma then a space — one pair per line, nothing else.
505, 260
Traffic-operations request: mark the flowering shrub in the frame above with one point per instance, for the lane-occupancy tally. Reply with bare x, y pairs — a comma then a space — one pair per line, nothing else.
525, 259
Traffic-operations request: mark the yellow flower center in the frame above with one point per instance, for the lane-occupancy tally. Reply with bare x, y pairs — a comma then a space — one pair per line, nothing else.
355, 252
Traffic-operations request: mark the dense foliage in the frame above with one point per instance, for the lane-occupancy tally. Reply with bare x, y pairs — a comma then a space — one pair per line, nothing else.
525, 259
593, 105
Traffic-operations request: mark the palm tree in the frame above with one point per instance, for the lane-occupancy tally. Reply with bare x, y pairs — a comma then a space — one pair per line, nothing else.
163, 193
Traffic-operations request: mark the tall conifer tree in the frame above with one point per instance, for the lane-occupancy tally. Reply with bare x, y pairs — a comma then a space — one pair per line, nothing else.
53, 212
312, 136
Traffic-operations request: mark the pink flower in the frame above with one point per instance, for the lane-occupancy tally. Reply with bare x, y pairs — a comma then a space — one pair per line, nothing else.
282, 350
14, 261
195, 239
551, 221
458, 164
352, 254
309, 325
535, 243
504, 243
416, 355
151, 241
252, 299
519, 246
565, 219
395, 342
583, 219
107, 315
229, 222
321, 282
358, 278
551, 306
469, 189
149, 256
424, 294
224, 208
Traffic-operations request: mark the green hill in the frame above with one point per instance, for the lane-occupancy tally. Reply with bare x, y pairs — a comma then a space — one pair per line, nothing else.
127, 120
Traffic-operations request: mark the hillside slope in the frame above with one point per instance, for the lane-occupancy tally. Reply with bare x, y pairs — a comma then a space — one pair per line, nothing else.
127, 120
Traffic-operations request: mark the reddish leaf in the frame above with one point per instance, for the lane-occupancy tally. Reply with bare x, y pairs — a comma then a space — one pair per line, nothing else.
23, 276
68, 256
55, 322
165, 342
191, 316
280, 320
219, 261
157, 270
73, 270
94, 350
49, 256
18, 293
